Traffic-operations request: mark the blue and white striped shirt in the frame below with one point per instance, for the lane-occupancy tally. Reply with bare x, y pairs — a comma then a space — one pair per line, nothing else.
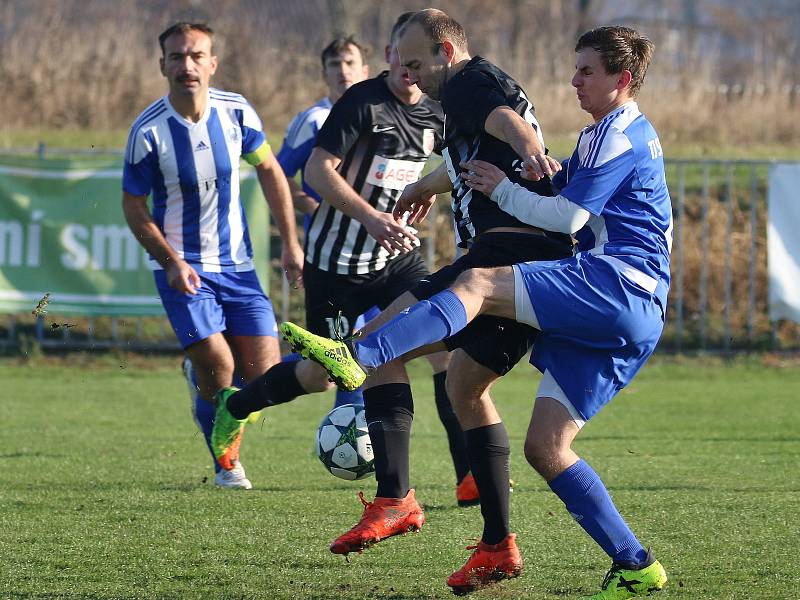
192, 172
301, 137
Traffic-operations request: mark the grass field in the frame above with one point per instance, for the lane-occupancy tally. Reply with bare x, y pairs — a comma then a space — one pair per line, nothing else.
105, 491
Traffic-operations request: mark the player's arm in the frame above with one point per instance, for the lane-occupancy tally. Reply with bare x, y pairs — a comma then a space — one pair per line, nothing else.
277, 192
321, 174
551, 213
303, 203
180, 274
418, 197
507, 126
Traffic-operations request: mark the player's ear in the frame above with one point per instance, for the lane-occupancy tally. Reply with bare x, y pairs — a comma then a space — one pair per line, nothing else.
387, 53
448, 50
214, 63
624, 79
161, 66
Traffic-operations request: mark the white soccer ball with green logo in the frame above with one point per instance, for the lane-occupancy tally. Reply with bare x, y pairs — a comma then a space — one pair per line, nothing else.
343, 443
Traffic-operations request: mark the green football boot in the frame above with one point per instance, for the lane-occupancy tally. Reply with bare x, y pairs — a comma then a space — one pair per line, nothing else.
622, 581
333, 355
226, 436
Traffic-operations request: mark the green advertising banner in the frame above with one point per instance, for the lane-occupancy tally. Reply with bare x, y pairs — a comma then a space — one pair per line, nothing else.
62, 232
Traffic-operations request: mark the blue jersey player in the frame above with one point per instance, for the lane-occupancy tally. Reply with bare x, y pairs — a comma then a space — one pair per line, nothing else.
184, 152
600, 313
343, 64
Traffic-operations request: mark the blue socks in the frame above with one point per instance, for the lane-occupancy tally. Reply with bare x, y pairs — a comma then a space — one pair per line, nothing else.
204, 413
424, 323
587, 500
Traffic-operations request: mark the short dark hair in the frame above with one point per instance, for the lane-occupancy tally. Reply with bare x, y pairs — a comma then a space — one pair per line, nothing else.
341, 43
620, 49
184, 27
440, 27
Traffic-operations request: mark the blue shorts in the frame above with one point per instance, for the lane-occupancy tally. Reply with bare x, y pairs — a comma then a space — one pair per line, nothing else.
598, 327
229, 302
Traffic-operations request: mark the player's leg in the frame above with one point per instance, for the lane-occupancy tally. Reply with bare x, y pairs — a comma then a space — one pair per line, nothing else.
598, 346
499, 344
475, 292
198, 321
548, 449
251, 332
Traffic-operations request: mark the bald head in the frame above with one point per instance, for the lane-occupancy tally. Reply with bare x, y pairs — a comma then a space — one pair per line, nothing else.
432, 46
439, 27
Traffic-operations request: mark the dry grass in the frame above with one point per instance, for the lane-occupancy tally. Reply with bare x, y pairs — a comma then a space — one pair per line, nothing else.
93, 64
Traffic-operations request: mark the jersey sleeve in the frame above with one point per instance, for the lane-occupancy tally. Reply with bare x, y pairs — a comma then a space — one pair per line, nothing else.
301, 136
601, 173
140, 168
349, 118
484, 96
255, 147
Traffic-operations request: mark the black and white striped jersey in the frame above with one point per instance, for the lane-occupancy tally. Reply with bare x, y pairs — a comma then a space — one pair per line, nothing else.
383, 144
468, 98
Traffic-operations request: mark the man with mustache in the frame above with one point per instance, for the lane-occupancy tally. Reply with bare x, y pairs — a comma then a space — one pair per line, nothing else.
184, 151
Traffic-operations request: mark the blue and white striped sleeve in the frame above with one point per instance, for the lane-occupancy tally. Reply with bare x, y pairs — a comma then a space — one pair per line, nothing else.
141, 163
254, 143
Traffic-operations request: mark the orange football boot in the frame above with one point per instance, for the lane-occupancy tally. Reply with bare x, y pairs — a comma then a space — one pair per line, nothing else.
488, 564
467, 491
382, 518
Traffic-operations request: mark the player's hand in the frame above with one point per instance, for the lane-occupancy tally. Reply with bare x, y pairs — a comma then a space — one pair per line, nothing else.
482, 176
536, 166
292, 263
182, 276
390, 233
415, 203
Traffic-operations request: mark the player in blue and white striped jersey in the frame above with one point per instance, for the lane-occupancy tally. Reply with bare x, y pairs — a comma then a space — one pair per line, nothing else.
184, 151
343, 64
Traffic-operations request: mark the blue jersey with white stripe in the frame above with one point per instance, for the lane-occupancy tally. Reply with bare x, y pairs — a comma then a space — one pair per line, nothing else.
192, 172
617, 174
301, 137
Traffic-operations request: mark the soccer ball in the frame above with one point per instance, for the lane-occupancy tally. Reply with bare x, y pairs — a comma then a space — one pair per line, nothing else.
343, 443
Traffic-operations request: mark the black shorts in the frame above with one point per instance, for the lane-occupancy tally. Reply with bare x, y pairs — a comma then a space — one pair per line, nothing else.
328, 294
494, 342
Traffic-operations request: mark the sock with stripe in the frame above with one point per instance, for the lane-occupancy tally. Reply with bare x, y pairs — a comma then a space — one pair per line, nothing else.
426, 322
589, 503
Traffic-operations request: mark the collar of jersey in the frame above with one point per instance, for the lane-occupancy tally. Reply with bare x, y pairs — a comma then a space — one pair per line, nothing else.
182, 120
610, 116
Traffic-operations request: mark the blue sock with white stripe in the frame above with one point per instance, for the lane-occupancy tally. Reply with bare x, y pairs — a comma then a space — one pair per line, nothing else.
426, 322
587, 500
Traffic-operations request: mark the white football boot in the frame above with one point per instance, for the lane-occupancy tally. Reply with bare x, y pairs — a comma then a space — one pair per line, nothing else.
233, 479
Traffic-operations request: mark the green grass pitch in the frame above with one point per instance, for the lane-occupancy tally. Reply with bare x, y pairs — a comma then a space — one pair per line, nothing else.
106, 491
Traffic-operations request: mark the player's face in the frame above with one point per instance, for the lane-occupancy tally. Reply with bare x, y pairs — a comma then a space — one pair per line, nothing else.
401, 80
425, 62
598, 92
188, 63
343, 70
